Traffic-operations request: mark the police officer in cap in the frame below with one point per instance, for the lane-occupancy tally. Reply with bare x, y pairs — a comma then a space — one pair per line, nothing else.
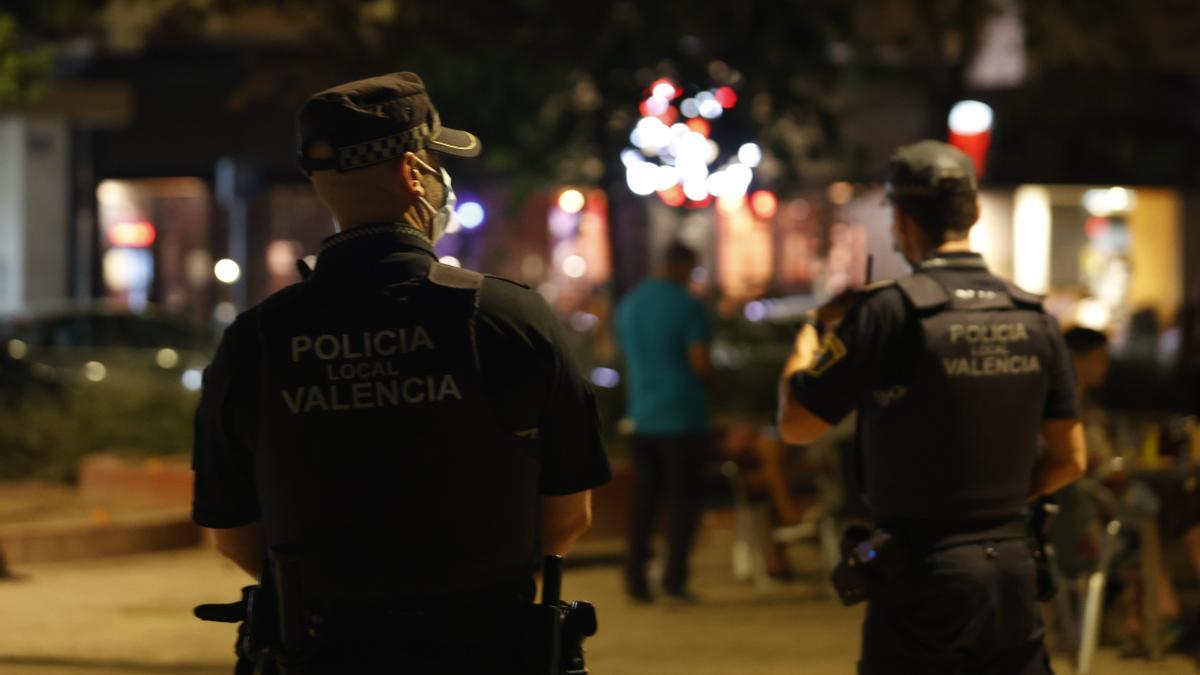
417, 432
955, 373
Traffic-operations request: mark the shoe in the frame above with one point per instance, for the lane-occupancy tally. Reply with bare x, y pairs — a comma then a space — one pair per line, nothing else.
679, 597
639, 592
640, 597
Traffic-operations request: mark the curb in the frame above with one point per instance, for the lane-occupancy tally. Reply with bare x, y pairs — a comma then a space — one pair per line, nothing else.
79, 538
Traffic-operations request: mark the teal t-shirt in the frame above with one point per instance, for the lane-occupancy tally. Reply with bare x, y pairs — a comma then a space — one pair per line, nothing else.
657, 322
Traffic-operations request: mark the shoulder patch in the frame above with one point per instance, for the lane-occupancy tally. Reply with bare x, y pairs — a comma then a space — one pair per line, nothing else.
511, 281
832, 350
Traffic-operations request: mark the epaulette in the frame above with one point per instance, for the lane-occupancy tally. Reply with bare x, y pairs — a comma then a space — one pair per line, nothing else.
449, 276
923, 291
511, 281
1023, 297
877, 286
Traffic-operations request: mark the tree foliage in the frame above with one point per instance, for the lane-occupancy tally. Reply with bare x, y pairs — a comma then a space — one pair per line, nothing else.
28, 32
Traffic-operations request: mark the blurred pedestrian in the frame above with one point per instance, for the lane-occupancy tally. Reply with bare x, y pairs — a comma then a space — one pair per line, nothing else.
414, 434
664, 334
955, 372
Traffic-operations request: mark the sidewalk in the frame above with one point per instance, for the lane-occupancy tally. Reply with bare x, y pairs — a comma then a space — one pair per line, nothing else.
132, 615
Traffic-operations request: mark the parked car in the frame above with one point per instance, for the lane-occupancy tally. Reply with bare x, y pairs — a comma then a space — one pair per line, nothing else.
81, 346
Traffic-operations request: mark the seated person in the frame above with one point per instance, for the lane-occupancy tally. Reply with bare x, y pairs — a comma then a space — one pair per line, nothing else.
769, 475
1085, 505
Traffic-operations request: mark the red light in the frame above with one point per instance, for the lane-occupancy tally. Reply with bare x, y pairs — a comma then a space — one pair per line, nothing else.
700, 126
693, 204
644, 109
670, 116
976, 147
1096, 227
726, 97
673, 196
134, 234
763, 204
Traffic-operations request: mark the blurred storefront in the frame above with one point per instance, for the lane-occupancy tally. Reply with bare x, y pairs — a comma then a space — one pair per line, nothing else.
1100, 253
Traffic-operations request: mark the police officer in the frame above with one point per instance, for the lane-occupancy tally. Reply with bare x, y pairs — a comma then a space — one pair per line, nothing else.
955, 373
416, 431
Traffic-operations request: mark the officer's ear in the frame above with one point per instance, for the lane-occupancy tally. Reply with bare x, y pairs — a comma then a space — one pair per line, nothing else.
408, 176
902, 223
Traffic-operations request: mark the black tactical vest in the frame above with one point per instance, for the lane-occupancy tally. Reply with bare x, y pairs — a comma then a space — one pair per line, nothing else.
379, 455
959, 441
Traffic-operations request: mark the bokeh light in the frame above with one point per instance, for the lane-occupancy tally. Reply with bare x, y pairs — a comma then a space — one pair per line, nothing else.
970, 117
166, 358
750, 154
227, 271
574, 266
571, 200
192, 379
94, 371
605, 378
470, 214
840, 193
763, 203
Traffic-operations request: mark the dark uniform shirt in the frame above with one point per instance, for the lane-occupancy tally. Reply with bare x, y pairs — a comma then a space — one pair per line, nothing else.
872, 358
531, 388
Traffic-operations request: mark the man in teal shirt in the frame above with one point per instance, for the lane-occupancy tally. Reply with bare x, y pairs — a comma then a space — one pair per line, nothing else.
664, 334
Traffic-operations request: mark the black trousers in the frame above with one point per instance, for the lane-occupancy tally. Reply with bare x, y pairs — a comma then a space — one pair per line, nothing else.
426, 645
476, 633
670, 469
966, 610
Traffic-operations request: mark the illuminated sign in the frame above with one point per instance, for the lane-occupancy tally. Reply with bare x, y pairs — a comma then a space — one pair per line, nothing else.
132, 234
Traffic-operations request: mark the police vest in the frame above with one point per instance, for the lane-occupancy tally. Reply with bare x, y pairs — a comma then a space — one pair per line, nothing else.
379, 455
959, 441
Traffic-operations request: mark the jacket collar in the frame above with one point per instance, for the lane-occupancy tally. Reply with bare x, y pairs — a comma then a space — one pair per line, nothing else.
349, 252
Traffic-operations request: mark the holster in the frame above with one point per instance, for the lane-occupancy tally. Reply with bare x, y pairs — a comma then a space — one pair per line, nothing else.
271, 632
1043, 511
542, 651
870, 558
873, 558
555, 630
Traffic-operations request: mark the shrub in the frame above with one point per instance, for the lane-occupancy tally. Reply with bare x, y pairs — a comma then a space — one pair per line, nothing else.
45, 433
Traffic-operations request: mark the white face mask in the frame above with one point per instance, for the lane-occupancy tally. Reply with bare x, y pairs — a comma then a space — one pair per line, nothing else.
441, 216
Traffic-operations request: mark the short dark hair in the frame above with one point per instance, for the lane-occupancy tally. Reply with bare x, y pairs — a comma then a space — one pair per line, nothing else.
1082, 340
941, 216
680, 254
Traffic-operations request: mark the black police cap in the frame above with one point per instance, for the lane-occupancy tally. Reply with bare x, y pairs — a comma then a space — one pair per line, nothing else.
375, 120
929, 168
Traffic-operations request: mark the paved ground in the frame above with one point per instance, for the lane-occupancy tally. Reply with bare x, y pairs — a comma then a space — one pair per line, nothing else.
131, 615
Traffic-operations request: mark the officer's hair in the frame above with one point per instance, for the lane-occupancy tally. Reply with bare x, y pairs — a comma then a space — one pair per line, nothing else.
369, 194
1082, 340
942, 218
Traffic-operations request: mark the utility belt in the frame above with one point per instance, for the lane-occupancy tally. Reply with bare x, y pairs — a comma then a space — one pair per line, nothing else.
276, 635
872, 558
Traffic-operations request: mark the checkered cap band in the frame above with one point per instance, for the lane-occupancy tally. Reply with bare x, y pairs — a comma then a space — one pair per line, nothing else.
382, 149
